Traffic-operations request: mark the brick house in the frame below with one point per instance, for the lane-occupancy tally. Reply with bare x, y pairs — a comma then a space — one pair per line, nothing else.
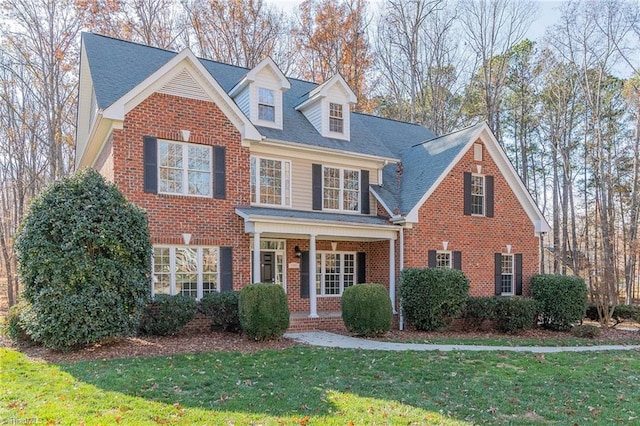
239, 167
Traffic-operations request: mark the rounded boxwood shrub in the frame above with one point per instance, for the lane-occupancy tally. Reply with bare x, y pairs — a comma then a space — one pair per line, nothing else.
222, 310
366, 309
84, 257
515, 314
585, 331
263, 310
432, 297
166, 314
562, 299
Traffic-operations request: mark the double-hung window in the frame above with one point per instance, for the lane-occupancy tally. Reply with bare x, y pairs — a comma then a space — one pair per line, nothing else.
271, 181
507, 276
189, 271
184, 169
477, 195
266, 105
335, 271
443, 260
341, 189
336, 120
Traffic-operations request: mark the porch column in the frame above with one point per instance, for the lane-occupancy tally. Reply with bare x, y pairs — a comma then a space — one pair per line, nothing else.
392, 274
256, 258
313, 297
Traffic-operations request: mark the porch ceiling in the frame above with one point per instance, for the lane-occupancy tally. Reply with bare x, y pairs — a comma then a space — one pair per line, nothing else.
301, 224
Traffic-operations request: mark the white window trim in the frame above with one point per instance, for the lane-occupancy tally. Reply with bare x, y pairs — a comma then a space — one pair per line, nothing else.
513, 274
254, 99
484, 195
273, 105
185, 169
322, 272
346, 119
286, 181
172, 268
341, 208
450, 253
341, 118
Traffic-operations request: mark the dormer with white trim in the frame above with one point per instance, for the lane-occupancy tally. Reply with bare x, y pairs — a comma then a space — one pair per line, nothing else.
328, 108
259, 94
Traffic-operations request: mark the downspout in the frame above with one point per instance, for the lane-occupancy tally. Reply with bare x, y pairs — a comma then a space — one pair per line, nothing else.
401, 262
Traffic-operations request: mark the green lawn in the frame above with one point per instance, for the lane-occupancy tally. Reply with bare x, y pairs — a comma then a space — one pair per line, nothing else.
326, 386
510, 341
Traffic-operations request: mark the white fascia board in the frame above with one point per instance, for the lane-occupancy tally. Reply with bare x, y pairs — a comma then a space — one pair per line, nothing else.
98, 135
381, 201
184, 59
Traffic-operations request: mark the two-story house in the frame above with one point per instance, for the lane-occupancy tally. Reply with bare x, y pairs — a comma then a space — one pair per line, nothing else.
250, 176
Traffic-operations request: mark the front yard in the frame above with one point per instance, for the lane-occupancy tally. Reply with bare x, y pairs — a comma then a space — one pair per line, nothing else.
303, 385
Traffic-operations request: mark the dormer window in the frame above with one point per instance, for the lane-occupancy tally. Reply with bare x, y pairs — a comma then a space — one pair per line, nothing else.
266, 105
336, 121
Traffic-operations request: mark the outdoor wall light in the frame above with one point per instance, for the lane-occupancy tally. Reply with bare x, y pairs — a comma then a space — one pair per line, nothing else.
297, 251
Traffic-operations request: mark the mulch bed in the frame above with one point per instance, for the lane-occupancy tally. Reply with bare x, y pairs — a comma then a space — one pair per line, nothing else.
221, 341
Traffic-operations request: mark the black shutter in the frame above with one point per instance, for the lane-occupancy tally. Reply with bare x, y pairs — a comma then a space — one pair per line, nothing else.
488, 191
316, 186
150, 154
467, 193
364, 192
219, 172
226, 269
431, 262
457, 260
498, 272
361, 261
517, 260
304, 275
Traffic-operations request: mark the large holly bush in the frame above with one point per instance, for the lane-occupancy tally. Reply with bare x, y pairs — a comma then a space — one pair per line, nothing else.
84, 260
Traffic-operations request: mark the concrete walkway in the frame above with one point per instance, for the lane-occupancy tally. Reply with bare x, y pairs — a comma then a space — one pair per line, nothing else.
332, 340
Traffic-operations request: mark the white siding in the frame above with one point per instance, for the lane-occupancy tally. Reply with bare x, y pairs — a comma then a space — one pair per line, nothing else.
242, 100
314, 115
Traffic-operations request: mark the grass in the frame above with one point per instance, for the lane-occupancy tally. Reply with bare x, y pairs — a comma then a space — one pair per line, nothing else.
510, 341
305, 385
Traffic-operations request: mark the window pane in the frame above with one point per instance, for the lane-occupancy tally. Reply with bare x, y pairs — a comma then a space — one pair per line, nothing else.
332, 274
209, 270
271, 181
335, 118
265, 96
170, 155
349, 269
331, 193
351, 186
477, 195
161, 270
507, 273
266, 105
443, 260
254, 179
187, 271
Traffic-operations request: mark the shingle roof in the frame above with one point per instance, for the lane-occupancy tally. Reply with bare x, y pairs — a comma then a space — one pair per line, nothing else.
356, 219
118, 66
422, 165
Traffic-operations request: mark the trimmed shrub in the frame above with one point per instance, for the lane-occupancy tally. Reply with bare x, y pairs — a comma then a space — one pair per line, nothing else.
515, 314
84, 256
432, 297
585, 331
15, 324
366, 309
222, 310
479, 309
562, 299
620, 313
263, 310
166, 314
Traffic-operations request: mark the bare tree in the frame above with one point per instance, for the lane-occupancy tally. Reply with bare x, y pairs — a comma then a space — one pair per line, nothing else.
493, 28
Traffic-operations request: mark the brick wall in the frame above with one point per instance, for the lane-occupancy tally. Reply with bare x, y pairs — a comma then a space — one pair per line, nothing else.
210, 221
441, 219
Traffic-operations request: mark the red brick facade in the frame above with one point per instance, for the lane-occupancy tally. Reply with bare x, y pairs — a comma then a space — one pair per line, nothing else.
441, 219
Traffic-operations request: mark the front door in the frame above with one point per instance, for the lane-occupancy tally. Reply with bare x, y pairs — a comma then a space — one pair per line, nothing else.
268, 266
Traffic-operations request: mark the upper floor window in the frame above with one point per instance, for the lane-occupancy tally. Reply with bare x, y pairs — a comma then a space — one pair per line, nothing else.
266, 105
336, 121
270, 181
443, 259
507, 275
189, 271
341, 189
184, 169
477, 195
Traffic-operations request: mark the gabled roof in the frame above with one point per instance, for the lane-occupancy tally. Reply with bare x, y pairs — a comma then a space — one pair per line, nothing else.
323, 91
118, 66
252, 75
425, 165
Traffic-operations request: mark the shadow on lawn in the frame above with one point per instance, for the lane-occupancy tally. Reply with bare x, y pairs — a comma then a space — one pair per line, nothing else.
298, 381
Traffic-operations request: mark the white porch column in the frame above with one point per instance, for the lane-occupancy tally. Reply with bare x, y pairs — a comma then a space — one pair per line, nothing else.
392, 273
256, 258
401, 318
313, 297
